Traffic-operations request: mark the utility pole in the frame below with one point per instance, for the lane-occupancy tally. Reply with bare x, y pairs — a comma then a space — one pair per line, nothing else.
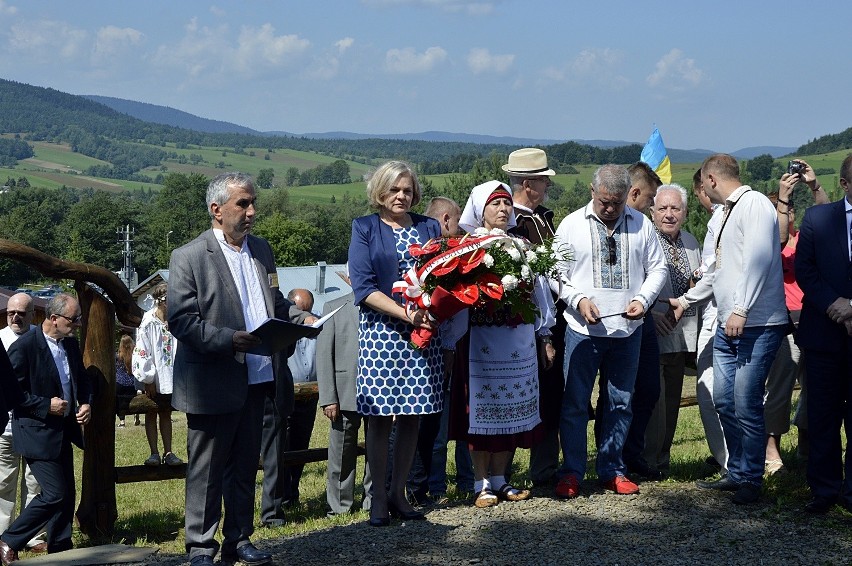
127, 273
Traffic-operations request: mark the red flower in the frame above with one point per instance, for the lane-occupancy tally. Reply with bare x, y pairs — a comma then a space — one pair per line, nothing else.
466, 292
447, 267
471, 261
430, 247
489, 283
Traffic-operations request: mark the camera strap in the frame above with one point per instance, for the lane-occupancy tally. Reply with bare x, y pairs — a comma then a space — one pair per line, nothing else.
728, 210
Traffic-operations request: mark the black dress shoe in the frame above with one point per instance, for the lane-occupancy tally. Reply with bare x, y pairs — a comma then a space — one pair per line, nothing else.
248, 555
747, 493
379, 521
819, 505
397, 513
7, 554
722, 484
644, 470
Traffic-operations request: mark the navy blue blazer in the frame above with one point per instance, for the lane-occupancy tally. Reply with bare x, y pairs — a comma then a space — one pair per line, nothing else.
35, 433
824, 273
373, 263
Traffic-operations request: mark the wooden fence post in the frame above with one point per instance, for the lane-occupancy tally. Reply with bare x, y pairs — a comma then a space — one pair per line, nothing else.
98, 510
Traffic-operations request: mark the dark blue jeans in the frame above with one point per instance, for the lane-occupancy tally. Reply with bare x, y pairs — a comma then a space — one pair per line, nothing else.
740, 367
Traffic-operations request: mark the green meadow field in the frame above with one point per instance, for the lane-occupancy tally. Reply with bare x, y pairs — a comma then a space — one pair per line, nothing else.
55, 165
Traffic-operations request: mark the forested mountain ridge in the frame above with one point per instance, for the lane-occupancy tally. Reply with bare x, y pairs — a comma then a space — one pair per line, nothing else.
168, 116
828, 143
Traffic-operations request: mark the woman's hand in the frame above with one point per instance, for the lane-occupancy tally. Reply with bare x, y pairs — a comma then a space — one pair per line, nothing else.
420, 318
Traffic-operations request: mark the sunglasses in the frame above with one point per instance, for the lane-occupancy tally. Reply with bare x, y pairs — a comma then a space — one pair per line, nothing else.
73, 320
610, 243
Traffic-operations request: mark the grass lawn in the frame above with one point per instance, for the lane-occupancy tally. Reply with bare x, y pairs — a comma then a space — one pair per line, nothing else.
152, 513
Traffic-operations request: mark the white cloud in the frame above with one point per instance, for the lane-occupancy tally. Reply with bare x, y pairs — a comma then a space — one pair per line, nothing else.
408, 61
261, 44
344, 44
205, 50
111, 41
47, 39
218, 12
6, 9
471, 7
676, 72
590, 66
482, 61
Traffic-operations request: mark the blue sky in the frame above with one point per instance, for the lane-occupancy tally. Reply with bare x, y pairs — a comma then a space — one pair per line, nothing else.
714, 75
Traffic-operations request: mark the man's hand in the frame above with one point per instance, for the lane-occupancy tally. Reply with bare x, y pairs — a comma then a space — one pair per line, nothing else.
848, 325
546, 355
310, 320
244, 341
84, 414
734, 326
840, 310
331, 411
663, 322
677, 310
635, 310
57, 406
808, 176
589, 311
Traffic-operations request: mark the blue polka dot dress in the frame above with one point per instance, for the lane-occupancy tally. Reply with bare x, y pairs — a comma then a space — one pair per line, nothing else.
394, 378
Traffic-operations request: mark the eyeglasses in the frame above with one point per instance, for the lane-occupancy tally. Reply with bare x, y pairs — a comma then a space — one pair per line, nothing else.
21, 314
610, 243
73, 320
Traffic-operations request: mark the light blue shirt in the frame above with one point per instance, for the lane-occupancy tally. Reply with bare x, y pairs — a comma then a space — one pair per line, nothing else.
244, 273
302, 363
60, 358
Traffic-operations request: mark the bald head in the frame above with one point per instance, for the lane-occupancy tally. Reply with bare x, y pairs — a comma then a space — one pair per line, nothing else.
302, 298
19, 313
447, 213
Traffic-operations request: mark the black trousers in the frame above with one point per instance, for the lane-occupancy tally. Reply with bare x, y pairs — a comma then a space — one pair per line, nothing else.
53, 508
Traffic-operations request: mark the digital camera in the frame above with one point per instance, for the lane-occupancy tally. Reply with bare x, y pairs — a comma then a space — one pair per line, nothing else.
795, 168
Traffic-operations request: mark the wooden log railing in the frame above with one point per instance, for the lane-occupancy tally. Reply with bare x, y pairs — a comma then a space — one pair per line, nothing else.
97, 511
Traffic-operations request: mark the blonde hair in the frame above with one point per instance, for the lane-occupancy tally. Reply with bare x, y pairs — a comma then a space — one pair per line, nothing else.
383, 179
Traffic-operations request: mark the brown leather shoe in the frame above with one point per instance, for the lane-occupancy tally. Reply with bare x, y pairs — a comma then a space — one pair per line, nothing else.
39, 548
7, 555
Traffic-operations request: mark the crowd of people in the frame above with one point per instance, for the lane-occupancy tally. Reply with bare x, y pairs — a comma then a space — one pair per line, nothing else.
633, 297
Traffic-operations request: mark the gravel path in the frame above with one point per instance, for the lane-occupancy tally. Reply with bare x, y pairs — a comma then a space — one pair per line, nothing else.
668, 523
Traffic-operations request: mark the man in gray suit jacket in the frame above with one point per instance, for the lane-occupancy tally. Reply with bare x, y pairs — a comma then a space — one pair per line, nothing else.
222, 285
337, 369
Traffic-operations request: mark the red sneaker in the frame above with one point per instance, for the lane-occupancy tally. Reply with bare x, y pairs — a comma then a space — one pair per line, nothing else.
621, 485
568, 487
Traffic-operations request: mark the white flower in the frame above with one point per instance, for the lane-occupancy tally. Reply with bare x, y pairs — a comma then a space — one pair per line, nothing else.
541, 250
531, 256
481, 231
488, 260
510, 282
513, 252
526, 273
497, 232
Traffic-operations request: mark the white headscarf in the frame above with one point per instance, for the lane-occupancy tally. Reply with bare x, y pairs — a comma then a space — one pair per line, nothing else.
472, 216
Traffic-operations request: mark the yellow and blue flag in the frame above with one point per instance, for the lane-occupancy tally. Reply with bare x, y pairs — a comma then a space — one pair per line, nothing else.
654, 154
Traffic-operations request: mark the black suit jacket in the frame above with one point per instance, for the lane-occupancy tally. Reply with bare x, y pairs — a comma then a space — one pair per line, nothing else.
824, 273
35, 433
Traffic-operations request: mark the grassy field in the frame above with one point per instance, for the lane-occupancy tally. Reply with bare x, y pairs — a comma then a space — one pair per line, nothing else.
152, 513
55, 165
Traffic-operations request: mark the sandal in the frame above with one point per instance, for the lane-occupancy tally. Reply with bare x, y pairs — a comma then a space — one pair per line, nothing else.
486, 498
509, 493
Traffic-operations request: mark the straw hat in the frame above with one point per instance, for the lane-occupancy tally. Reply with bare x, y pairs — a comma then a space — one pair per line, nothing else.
528, 162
